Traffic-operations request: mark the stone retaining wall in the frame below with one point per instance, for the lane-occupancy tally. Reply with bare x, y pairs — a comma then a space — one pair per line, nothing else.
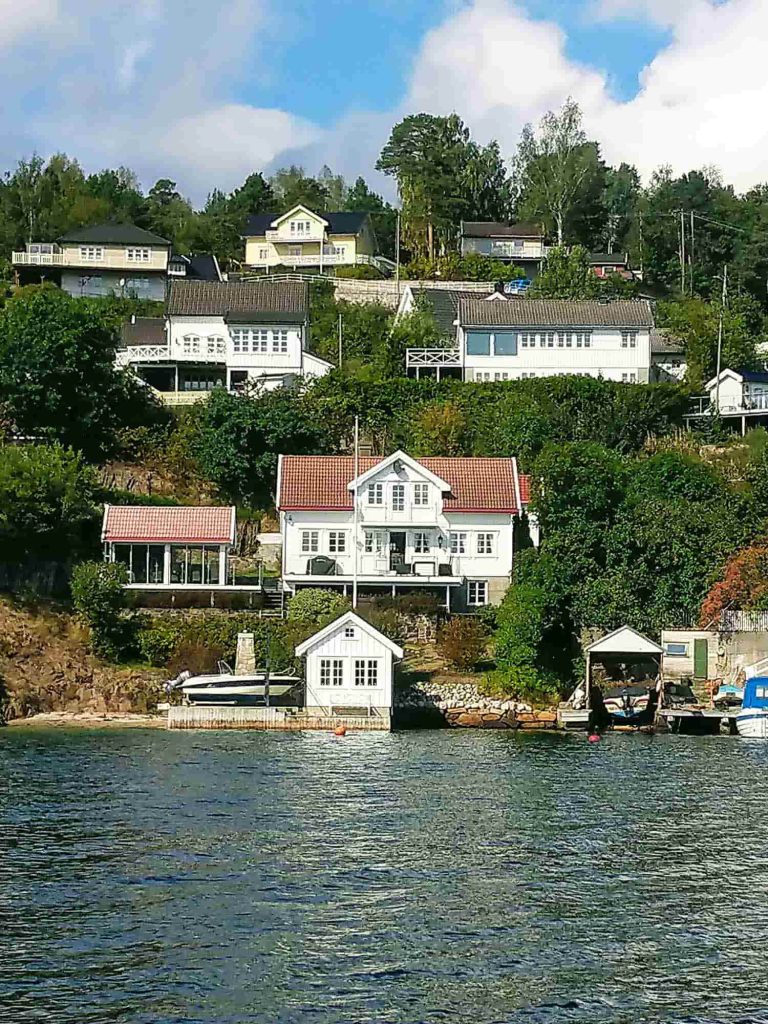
462, 706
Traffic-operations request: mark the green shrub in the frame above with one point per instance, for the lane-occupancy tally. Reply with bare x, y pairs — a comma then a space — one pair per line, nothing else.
462, 642
99, 599
158, 642
316, 606
524, 684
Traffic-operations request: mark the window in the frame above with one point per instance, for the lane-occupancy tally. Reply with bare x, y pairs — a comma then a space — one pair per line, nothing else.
485, 543
194, 565
215, 346
457, 543
676, 650
264, 254
294, 250
527, 376
761, 692
338, 250
629, 378
310, 542
548, 339
374, 541
375, 494
421, 543
528, 341
349, 632
337, 542
331, 671
191, 344
91, 253
259, 341
366, 672
505, 343
629, 339
478, 343
398, 497
239, 340
477, 593
560, 339
279, 341
137, 255
301, 227
421, 494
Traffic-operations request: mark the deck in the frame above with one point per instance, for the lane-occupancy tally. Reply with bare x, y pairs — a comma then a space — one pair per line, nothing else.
284, 719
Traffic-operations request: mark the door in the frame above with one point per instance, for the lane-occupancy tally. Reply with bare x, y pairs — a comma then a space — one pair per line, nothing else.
396, 550
700, 659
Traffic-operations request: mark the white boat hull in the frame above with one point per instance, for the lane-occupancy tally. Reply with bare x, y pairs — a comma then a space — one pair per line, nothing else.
753, 723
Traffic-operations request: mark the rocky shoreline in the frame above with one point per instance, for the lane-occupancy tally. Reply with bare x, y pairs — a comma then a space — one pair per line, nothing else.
462, 706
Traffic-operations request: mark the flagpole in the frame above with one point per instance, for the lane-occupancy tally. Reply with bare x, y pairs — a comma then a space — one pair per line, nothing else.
355, 513
720, 339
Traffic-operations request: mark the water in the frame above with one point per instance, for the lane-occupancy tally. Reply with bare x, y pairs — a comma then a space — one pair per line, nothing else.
224, 878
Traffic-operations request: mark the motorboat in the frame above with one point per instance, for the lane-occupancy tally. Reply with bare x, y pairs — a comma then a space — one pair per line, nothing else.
224, 687
729, 695
630, 705
752, 718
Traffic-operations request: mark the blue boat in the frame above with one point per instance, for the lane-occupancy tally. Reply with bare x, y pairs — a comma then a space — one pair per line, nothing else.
752, 719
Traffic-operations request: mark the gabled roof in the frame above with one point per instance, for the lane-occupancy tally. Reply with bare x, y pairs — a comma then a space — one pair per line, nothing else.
500, 229
299, 208
740, 376
400, 456
158, 524
552, 313
624, 640
322, 482
143, 330
348, 619
202, 266
609, 259
263, 300
112, 234
444, 305
344, 223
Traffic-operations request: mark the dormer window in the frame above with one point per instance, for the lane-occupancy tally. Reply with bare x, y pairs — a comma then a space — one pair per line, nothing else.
398, 497
375, 494
301, 227
421, 494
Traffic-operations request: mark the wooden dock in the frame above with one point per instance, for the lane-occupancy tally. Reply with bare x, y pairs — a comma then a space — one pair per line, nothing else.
284, 719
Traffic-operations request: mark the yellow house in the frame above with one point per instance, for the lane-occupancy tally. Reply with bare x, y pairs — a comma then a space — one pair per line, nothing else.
302, 238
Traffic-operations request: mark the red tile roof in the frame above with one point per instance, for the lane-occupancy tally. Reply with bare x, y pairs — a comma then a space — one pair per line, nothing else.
525, 489
321, 482
169, 524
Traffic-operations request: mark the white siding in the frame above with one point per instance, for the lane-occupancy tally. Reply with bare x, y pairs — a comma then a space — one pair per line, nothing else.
336, 647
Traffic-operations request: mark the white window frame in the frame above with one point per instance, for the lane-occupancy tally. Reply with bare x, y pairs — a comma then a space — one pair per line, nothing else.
421, 542
477, 593
349, 632
629, 339
191, 344
485, 544
310, 542
92, 253
367, 672
263, 253
337, 542
421, 494
398, 503
669, 653
331, 672
138, 254
457, 542
279, 342
375, 494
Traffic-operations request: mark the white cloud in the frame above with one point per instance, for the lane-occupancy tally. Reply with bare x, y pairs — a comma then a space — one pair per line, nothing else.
18, 20
663, 12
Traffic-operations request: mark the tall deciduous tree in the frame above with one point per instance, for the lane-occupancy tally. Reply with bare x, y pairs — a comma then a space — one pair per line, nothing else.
552, 165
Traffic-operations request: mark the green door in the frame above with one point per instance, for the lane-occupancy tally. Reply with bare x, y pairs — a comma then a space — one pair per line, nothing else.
700, 659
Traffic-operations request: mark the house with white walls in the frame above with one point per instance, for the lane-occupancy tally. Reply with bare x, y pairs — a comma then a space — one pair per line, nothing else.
400, 524
738, 397
225, 334
349, 669
302, 238
501, 337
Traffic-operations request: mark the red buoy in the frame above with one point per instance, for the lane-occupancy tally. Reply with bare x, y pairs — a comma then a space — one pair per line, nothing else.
340, 730
593, 737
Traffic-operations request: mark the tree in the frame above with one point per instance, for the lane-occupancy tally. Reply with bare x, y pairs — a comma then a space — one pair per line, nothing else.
169, 214
48, 507
98, 594
566, 274
58, 380
620, 200
292, 187
383, 216
236, 440
440, 429
316, 606
551, 167
743, 585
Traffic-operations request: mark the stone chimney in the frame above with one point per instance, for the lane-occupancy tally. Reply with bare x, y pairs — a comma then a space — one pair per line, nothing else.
245, 659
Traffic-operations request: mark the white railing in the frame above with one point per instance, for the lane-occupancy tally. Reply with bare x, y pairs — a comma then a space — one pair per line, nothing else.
524, 252
704, 405
276, 235
163, 353
109, 261
174, 398
327, 260
433, 357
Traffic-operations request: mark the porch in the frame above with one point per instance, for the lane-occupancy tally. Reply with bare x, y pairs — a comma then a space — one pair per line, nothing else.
433, 362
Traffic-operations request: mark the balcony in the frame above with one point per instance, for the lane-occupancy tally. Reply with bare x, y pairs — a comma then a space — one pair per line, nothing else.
750, 405
433, 357
328, 260
289, 239
158, 261
139, 354
510, 251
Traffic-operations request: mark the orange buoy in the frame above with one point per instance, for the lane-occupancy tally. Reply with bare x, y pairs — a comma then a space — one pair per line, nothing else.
340, 730
594, 737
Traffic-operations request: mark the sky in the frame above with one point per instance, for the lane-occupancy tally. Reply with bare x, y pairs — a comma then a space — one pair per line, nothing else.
205, 92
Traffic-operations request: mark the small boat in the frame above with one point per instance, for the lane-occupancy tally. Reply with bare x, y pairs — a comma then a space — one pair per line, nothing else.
752, 719
630, 705
224, 687
729, 695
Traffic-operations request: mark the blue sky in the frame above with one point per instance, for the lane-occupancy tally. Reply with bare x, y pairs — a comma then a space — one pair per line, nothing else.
356, 54
205, 92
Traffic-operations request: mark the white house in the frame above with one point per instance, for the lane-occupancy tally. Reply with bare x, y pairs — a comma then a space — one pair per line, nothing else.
226, 334
401, 524
303, 238
739, 397
349, 668
502, 337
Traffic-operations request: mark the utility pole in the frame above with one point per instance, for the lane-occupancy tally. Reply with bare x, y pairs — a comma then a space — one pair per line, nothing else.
692, 248
682, 253
340, 340
720, 338
355, 514
397, 255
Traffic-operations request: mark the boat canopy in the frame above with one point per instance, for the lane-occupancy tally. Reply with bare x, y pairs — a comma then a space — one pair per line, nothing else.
756, 693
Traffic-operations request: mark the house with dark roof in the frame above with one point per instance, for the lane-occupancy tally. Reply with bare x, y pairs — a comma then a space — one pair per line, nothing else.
111, 259
501, 337
302, 239
604, 264
398, 524
738, 397
521, 244
228, 334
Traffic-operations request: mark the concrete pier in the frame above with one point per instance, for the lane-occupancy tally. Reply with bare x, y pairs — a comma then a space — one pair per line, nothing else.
285, 719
